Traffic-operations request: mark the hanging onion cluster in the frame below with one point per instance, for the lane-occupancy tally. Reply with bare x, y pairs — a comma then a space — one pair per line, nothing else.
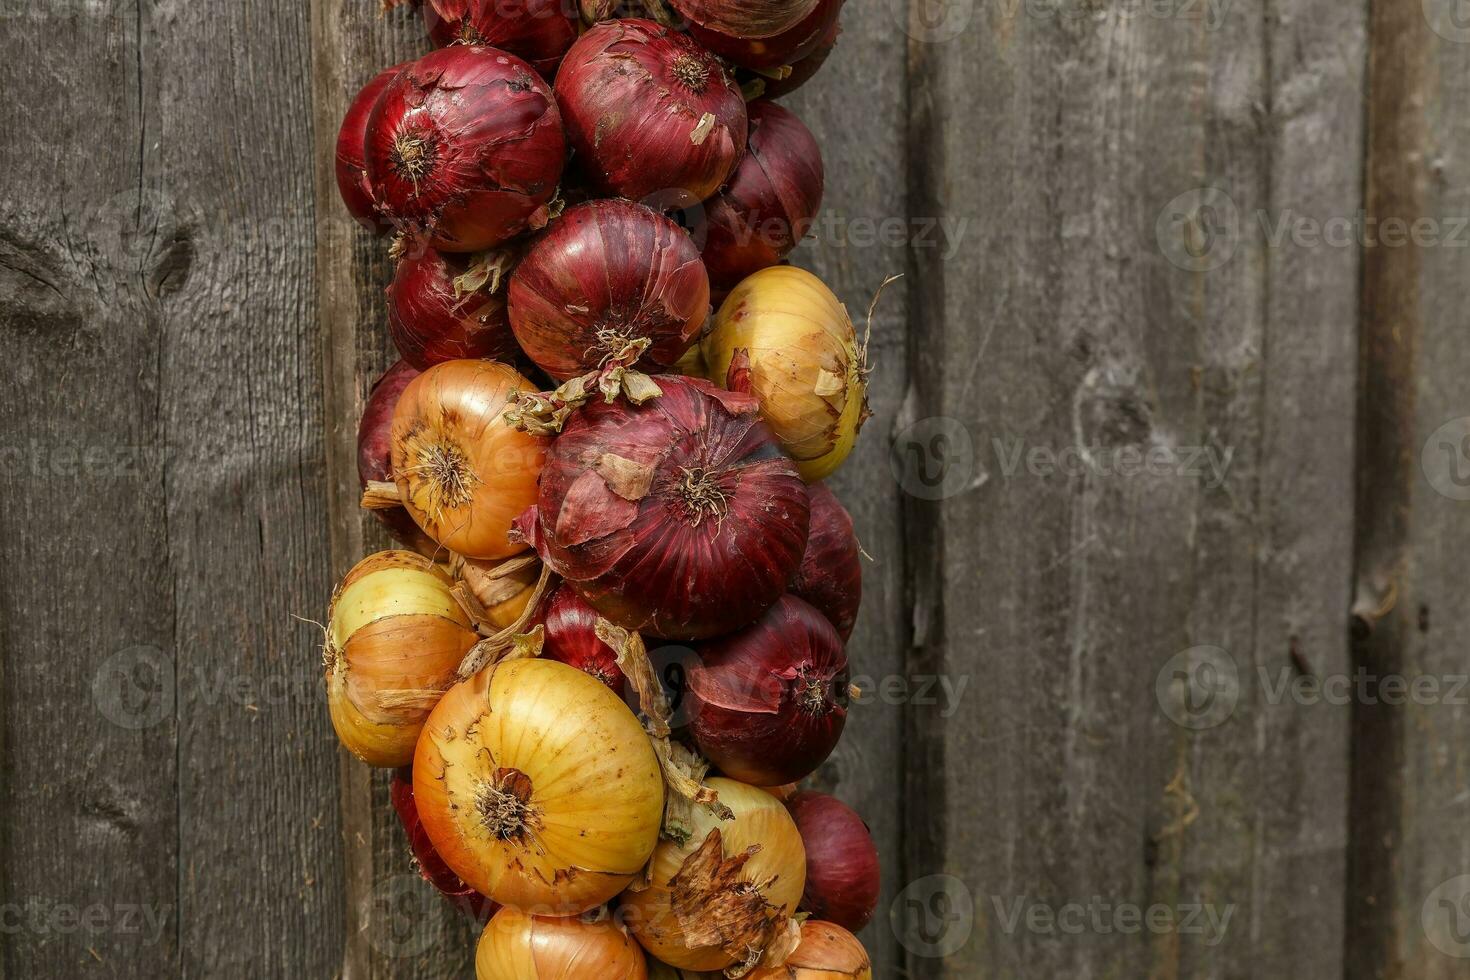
625, 594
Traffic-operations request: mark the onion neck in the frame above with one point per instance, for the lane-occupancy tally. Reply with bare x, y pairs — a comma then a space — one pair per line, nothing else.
692, 72
701, 495
504, 805
413, 157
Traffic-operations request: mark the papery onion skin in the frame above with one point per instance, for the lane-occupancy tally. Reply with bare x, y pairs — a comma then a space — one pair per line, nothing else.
842, 871
395, 638
430, 865
433, 319
605, 274
571, 638
650, 112
504, 597
785, 48
352, 178
538, 31
539, 787
771, 201
517, 946
804, 70
807, 369
831, 573
465, 148
374, 453
768, 704
464, 472
778, 868
827, 952
746, 18
679, 518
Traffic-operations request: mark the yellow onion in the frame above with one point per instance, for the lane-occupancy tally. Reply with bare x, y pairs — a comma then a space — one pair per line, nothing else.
538, 787
503, 588
807, 368
517, 946
463, 471
662, 971
827, 952
395, 637
725, 895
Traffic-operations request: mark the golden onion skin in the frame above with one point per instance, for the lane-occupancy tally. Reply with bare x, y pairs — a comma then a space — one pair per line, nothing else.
539, 787
760, 819
827, 952
517, 946
807, 369
503, 597
394, 629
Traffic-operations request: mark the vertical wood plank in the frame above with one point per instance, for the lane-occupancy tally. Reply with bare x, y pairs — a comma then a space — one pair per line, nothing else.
1091, 342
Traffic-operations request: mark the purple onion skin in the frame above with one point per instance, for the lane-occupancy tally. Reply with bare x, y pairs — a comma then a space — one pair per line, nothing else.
710, 544
831, 573
768, 704
465, 148
608, 268
429, 324
771, 201
352, 178
632, 95
374, 433
842, 869
804, 70
785, 48
571, 638
538, 31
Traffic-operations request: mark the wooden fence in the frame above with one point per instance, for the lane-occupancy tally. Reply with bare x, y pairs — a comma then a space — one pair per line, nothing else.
1170, 446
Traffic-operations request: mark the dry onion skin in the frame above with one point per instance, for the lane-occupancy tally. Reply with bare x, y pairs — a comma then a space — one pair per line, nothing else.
463, 471
538, 787
395, 638
502, 588
721, 898
517, 946
827, 952
807, 369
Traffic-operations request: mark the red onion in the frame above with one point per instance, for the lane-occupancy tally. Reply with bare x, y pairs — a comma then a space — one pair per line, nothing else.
374, 437
804, 70
352, 178
679, 517
605, 274
465, 147
775, 51
767, 704
831, 573
650, 112
539, 31
442, 307
746, 18
431, 865
842, 876
571, 638
771, 201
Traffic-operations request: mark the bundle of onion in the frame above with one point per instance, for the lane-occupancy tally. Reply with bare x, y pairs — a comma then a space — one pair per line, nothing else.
831, 573
538, 787
679, 517
462, 470
395, 638
827, 952
807, 368
540, 31
502, 589
442, 306
724, 896
465, 148
375, 455
610, 280
517, 946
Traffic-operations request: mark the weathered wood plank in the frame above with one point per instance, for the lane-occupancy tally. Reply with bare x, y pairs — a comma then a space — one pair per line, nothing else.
1078, 356
1410, 858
